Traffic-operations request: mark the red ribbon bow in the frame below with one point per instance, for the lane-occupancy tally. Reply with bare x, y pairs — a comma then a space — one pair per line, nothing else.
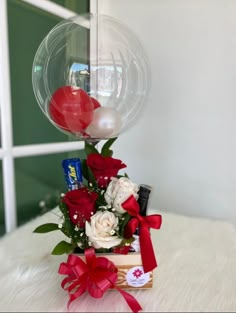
96, 275
145, 222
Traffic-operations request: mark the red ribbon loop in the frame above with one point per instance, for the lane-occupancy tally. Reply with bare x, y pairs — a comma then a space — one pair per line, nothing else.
145, 222
96, 276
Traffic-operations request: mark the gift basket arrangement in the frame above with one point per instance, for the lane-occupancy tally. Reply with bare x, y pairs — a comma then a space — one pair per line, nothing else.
91, 80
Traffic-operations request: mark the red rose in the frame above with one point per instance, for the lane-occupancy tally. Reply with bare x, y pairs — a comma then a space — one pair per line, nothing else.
80, 204
104, 168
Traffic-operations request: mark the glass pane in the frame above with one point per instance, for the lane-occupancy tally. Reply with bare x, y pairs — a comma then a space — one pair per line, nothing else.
79, 6
2, 227
27, 28
38, 179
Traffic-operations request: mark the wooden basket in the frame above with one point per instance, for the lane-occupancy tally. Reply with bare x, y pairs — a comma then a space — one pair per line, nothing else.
130, 270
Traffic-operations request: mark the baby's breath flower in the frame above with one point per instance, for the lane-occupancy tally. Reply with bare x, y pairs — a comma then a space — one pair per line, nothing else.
42, 204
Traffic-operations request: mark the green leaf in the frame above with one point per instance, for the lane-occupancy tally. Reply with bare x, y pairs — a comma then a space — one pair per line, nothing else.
63, 208
46, 228
125, 175
68, 227
62, 247
84, 169
123, 222
88, 174
91, 177
127, 241
90, 148
106, 151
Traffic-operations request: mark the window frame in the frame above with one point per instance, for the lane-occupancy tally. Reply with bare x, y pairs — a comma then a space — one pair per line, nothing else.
8, 152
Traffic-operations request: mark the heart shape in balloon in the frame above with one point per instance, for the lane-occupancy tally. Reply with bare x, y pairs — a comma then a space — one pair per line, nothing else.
95, 102
71, 108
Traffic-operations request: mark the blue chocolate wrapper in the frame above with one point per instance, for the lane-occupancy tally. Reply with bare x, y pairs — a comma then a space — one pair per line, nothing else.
73, 173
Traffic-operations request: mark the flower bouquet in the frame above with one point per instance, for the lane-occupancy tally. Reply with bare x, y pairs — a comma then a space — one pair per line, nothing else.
103, 214
91, 79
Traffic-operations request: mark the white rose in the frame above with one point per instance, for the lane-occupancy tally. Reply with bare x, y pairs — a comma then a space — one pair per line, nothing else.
118, 191
101, 228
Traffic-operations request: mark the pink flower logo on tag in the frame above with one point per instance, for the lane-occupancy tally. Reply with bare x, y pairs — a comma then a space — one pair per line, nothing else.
137, 273
136, 277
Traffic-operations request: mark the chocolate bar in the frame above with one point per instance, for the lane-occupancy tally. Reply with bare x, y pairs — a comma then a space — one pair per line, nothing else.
73, 173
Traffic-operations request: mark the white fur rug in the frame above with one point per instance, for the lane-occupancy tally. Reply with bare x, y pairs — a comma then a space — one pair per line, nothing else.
196, 273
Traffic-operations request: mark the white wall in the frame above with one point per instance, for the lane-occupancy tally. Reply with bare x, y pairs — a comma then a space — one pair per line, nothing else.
184, 145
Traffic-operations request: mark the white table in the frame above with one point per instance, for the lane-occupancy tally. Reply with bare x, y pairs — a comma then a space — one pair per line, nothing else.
197, 270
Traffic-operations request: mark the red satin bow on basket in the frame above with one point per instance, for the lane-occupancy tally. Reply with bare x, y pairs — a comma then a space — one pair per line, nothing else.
96, 275
144, 222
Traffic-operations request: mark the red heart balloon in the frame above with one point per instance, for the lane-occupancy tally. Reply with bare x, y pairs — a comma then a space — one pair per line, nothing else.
71, 108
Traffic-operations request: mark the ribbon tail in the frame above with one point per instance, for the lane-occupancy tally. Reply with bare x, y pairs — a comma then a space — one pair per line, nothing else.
66, 281
75, 295
146, 249
130, 300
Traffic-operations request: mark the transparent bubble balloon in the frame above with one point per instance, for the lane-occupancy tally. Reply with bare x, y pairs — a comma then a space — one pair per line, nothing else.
91, 77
